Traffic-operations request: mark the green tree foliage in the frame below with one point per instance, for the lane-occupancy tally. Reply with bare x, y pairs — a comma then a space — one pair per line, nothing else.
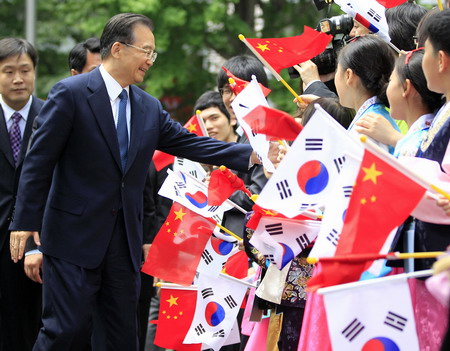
193, 38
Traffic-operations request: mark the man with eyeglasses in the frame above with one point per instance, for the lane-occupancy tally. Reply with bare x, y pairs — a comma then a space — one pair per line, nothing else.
85, 175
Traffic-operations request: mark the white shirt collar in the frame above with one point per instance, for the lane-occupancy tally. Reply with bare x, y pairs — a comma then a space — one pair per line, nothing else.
112, 86
8, 111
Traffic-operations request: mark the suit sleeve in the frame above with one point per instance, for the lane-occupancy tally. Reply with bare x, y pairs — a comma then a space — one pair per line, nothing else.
176, 140
320, 89
55, 121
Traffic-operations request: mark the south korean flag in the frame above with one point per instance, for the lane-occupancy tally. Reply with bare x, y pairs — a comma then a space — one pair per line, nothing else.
371, 315
308, 173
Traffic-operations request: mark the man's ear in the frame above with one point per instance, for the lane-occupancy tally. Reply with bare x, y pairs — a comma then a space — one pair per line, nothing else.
115, 49
74, 72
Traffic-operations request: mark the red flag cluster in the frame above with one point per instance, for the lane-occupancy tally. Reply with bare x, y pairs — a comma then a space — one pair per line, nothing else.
222, 184
275, 124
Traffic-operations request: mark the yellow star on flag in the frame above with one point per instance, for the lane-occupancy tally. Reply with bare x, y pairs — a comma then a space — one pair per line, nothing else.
373, 198
172, 301
371, 173
192, 127
363, 201
179, 214
269, 213
262, 47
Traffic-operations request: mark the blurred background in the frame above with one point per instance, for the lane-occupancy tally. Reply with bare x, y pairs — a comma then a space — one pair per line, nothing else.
193, 38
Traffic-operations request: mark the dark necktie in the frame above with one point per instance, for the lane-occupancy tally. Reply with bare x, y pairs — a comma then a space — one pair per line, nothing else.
15, 137
122, 130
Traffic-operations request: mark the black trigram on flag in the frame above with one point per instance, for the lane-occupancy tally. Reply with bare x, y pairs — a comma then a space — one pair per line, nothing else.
199, 329
180, 161
207, 292
313, 144
347, 190
395, 321
217, 218
333, 237
274, 229
193, 173
180, 185
230, 301
305, 206
207, 256
219, 334
213, 208
353, 330
283, 188
372, 13
339, 163
270, 258
303, 241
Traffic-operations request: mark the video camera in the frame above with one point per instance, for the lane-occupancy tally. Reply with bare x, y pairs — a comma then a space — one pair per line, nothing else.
339, 27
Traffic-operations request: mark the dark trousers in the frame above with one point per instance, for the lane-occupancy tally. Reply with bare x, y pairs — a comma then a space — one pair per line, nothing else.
71, 293
20, 305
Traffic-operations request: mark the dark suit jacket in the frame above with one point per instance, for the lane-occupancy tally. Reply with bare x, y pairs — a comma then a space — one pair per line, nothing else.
75, 161
10, 174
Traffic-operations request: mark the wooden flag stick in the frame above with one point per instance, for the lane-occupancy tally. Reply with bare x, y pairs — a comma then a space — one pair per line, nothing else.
229, 232
270, 68
356, 258
441, 8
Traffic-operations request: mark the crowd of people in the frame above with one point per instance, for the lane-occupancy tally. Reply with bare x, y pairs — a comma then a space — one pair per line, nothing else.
80, 205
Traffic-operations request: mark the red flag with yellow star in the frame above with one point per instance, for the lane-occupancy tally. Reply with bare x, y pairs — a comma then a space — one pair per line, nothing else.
240, 84
193, 125
285, 52
176, 311
382, 198
177, 248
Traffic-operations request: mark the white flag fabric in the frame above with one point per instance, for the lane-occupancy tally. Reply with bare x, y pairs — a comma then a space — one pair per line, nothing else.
215, 255
272, 285
218, 303
377, 315
336, 208
191, 194
193, 168
367, 12
427, 210
306, 176
282, 239
249, 98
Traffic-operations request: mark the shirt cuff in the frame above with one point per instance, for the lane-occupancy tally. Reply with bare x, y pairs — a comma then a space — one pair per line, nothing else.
32, 252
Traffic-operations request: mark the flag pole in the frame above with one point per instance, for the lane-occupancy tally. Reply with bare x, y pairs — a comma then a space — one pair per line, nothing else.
392, 160
270, 68
441, 8
174, 286
369, 257
336, 288
229, 232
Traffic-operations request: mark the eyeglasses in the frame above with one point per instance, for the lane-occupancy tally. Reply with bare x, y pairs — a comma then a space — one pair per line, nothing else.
226, 91
152, 55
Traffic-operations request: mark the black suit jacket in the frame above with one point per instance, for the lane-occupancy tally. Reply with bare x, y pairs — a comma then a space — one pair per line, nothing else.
10, 174
75, 161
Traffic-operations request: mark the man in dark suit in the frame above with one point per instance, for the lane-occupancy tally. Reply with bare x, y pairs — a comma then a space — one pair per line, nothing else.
82, 183
20, 298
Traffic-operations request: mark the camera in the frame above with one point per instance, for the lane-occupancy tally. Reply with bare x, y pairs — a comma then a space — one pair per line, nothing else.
339, 27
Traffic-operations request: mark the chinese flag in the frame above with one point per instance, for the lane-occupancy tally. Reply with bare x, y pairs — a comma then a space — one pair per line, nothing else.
391, 3
285, 52
176, 311
222, 184
274, 123
240, 84
237, 265
382, 198
161, 159
259, 212
177, 248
